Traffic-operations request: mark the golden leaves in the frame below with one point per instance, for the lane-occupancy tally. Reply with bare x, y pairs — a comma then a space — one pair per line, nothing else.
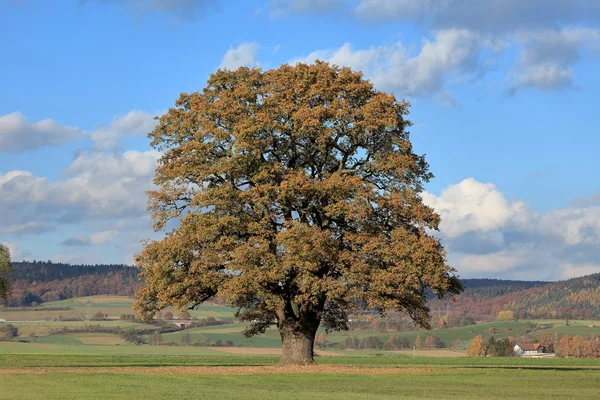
291, 189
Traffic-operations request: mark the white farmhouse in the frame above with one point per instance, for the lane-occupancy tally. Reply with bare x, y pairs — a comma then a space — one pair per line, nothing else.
527, 349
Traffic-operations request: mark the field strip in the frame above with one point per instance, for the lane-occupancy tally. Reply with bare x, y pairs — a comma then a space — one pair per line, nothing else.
266, 350
234, 370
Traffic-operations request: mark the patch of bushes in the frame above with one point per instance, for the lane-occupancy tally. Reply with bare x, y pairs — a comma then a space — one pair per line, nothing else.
8, 332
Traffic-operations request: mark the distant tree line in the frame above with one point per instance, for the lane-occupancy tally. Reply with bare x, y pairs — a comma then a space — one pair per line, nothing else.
576, 298
492, 347
578, 347
39, 282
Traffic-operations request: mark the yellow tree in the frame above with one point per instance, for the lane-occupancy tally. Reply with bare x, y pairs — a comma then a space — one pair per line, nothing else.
418, 342
476, 347
5, 271
507, 315
295, 195
577, 346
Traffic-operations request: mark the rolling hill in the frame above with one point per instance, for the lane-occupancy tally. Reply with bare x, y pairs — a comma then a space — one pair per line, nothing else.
44, 281
577, 298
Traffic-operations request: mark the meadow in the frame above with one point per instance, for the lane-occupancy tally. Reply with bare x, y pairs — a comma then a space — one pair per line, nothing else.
43, 364
51, 377
42, 337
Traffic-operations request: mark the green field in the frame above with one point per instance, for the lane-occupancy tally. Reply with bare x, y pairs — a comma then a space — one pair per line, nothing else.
85, 307
117, 377
44, 339
71, 347
40, 364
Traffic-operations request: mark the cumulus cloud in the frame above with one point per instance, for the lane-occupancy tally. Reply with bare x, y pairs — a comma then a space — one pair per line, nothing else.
16, 252
500, 262
551, 36
583, 202
31, 227
575, 270
97, 238
472, 206
243, 55
496, 16
454, 53
132, 124
575, 226
95, 186
17, 133
546, 58
100, 196
487, 234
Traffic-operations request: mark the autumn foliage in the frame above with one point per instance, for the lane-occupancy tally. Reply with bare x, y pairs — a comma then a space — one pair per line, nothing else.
294, 194
578, 347
476, 347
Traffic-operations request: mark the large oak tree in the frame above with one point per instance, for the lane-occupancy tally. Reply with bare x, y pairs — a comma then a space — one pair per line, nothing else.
294, 194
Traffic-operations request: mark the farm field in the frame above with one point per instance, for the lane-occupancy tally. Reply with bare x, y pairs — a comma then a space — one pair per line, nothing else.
113, 306
116, 377
43, 337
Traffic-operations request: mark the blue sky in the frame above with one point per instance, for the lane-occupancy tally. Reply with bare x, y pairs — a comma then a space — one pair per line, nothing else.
503, 96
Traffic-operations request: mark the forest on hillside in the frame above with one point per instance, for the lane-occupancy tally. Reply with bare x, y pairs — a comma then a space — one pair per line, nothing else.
38, 282
577, 298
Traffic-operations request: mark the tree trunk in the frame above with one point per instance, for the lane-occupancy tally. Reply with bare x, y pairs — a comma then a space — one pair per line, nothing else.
297, 345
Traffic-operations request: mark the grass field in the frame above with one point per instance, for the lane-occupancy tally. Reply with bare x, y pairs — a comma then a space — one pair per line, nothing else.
270, 338
44, 328
114, 306
35, 328
117, 377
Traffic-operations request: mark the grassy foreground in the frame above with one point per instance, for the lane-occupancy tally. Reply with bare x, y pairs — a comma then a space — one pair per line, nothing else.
137, 377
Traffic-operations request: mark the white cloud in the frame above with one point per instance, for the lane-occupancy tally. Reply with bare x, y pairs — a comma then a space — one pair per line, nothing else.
547, 57
492, 16
100, 197
32, 227
551, 36
488, 235
97, 238
18, 134
575, 270
243, 55
574, 226
472, 206
502, 262
96, 186
133, 124
454, 53
586, 201
16, 253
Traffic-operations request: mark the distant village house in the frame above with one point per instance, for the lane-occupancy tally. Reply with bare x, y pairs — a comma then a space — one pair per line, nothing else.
527, 349
182, 324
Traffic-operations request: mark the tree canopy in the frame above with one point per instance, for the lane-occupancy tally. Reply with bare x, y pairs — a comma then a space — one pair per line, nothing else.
294, 194
5, 271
